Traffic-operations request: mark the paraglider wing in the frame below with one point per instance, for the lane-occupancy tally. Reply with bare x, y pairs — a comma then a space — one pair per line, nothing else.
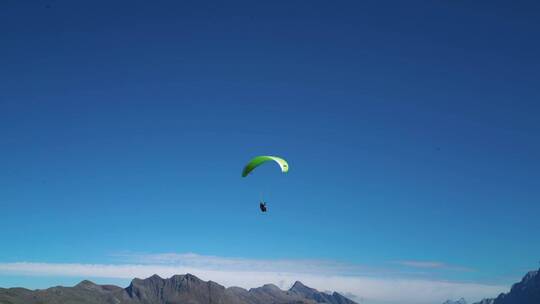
259, 160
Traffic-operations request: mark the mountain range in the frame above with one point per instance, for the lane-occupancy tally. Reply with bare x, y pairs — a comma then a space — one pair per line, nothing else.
179, 289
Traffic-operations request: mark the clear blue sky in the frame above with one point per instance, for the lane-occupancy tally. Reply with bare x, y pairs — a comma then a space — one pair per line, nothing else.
411, 129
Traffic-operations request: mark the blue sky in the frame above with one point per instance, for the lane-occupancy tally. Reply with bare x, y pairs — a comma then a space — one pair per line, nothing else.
411, 130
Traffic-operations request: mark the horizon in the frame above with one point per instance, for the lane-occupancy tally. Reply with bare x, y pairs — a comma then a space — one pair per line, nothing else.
411, 131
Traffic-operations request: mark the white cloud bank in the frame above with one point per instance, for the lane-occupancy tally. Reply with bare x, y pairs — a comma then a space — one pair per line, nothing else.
249, 273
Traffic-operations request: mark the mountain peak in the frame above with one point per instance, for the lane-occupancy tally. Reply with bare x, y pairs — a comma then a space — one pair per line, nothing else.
271, 287
460, 301
300, 288
86, 285
298, 284
191, 277
530, 276
304, 291
155, 277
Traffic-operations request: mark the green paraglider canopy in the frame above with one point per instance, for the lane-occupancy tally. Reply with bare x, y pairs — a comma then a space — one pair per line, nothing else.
259, 160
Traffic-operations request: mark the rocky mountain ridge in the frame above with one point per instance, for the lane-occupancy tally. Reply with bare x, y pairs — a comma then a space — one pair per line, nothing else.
178, 289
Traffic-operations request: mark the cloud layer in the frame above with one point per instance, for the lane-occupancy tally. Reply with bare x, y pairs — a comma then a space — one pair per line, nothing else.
432, 265
248, 273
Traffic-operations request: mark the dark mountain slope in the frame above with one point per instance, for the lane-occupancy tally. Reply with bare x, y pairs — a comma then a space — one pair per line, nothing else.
525, 292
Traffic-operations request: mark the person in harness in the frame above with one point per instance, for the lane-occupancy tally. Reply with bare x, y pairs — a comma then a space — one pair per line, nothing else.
262, 205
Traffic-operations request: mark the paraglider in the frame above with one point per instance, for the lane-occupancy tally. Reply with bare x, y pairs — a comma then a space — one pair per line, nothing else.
259, 160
